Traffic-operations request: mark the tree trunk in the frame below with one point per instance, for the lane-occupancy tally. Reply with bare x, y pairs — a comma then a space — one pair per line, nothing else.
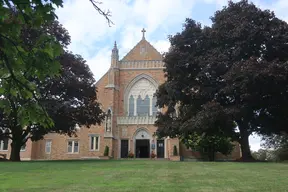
15, 151
211, 156
244, 142
211, 153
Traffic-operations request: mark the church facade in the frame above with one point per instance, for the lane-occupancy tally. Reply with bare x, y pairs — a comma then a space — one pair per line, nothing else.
126, 93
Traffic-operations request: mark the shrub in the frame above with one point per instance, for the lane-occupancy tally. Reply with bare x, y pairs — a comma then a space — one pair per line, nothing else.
106, 151
175, 152
153, 155
130, 155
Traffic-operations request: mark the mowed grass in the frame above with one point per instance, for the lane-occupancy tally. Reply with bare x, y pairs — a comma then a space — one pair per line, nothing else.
146, 175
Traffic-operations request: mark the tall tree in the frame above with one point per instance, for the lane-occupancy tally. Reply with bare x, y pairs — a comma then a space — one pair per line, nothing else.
69, 98
41, 59
239, 63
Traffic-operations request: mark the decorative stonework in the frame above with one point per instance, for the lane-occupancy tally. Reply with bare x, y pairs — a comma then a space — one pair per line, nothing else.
142, 134
126, 65
136, 120
142, 87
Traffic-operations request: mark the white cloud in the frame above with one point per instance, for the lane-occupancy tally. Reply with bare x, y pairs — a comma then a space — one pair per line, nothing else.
255, 142
162, 45
87, 27
100, 63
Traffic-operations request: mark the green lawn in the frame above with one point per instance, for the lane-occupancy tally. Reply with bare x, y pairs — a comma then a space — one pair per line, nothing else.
136, 175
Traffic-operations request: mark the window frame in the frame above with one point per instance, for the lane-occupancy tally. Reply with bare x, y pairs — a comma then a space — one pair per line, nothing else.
73, 146
94, 143
2, 144
50, 146
143, 106
131, 107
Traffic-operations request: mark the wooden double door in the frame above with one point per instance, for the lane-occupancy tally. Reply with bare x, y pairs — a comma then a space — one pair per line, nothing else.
124, 148
160, 149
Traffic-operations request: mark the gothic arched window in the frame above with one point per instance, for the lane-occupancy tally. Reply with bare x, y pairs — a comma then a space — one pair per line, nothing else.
140, 100
143, 106
131, 106
154, 108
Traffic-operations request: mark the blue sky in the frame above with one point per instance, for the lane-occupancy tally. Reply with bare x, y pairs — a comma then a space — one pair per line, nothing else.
93, 38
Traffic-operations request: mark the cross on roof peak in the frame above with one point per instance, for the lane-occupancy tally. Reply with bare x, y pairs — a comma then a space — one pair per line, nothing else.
143, 31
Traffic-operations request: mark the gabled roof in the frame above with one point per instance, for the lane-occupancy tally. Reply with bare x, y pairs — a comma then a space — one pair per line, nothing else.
143, 51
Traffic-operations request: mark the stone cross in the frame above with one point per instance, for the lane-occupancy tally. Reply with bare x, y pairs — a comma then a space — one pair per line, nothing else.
143, 31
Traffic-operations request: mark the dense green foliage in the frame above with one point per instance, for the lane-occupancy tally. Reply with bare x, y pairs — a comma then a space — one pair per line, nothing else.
232, 72
209, 145
39, 61
67, 99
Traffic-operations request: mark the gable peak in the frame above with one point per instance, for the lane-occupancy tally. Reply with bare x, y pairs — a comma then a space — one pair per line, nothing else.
143, 51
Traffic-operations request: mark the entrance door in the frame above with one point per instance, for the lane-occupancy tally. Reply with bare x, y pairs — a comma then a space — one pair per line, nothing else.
124, 148
143, 148
160, 148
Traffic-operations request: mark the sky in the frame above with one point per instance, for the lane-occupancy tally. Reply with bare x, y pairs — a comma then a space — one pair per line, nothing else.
93, 39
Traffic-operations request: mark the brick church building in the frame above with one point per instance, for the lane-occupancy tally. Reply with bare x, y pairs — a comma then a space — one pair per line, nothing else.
126, 93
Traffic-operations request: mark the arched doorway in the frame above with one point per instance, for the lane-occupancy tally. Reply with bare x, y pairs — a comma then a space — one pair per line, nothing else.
142, 143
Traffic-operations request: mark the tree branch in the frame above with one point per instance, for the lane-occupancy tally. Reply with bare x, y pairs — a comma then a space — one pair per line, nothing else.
5, 135
106, 14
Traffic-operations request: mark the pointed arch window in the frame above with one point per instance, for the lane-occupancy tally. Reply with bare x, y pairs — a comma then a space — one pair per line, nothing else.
143, 106
139, 97
131, 106
154, 108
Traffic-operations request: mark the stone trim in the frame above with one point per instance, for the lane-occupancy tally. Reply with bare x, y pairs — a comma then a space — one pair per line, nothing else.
150, 64
136, 120
149, 135
112, 86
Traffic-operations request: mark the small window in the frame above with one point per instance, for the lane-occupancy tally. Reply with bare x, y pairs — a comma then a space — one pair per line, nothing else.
48, 147
73, 147
94, 143
4, 144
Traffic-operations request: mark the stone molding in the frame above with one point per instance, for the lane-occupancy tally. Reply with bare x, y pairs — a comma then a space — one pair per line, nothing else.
136, 120
157, 64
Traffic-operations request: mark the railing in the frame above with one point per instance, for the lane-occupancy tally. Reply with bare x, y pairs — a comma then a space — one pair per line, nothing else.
136, 120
